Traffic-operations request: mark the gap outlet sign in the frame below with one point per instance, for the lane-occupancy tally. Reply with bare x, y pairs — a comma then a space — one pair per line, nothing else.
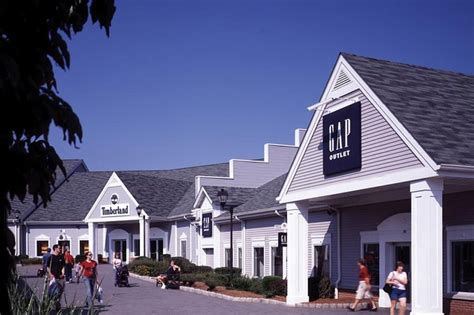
207, 225
342, 140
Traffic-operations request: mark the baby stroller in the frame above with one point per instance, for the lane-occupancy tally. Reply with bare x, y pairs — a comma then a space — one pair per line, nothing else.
40, 272
121, 276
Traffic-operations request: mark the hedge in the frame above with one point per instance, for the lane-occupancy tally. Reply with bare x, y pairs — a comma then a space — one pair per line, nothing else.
228, 271
273, 285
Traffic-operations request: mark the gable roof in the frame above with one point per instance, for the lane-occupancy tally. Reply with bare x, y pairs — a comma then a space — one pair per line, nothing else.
435, 106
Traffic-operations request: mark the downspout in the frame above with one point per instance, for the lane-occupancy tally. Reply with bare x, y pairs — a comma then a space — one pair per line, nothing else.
339, 251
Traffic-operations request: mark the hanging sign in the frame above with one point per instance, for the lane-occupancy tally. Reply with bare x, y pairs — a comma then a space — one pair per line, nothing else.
342, 140
282, 239
207, 225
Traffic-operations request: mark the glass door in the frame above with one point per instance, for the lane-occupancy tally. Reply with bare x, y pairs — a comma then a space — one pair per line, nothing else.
156, 249
120, 247
403, 254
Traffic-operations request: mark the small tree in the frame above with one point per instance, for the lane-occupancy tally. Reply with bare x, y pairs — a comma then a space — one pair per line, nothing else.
31, 38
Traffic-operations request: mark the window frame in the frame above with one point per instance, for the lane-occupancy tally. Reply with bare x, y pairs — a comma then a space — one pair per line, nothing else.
258, 244
457, 233
322, 241
36, 245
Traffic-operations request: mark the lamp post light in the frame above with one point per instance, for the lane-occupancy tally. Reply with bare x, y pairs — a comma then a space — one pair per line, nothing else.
17, 231
141, 214
222, 195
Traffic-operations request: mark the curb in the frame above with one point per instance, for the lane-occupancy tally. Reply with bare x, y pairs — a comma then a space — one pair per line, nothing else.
253, 300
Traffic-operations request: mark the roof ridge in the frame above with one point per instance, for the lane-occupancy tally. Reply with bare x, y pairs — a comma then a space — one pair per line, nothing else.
409, 64
175, 169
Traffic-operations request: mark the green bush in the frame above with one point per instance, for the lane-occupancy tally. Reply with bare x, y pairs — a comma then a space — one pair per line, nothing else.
319, 288
241, 283
211, 283
79, 258
256, 286
20, 257
189, 279
31, 261
142, 270
203, 269
273, 285
228, 271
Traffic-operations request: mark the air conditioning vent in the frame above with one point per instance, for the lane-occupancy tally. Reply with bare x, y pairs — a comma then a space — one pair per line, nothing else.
342, 80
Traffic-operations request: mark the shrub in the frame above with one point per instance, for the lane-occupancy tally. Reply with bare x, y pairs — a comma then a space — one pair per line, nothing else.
188, 279
142, 270
273, 285
166, 257
211, 283
79, 258
203, 269
241, 283
20, 257
228, 271
256, 286
319, 288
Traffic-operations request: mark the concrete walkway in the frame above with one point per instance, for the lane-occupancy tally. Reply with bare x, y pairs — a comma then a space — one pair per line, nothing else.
142, 297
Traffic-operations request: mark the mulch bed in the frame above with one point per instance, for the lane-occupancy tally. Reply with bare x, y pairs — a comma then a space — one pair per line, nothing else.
235, 293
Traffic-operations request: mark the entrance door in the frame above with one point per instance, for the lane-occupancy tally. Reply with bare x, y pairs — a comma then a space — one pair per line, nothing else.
120, 247
156, 249
402, 253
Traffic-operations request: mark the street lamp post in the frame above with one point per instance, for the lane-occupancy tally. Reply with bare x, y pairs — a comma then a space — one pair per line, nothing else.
222, 195
17, 232
142, 236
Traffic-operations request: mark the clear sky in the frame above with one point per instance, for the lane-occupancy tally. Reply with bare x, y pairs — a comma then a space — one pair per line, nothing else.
182, 83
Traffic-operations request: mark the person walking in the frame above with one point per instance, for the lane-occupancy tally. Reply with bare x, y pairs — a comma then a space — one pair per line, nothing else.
88, 270
398, 279
363, 290
45, 259
117, 263
55, 269
69, 264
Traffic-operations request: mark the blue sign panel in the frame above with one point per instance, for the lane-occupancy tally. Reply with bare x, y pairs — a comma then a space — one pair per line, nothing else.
207, 225
342, 140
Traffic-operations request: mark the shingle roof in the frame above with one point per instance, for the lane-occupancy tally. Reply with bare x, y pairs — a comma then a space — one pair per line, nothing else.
264, 198
237, 195
28, 204
435, 106
159, 196
73, 199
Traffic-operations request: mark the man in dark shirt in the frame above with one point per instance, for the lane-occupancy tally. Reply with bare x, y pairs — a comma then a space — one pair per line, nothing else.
56, 275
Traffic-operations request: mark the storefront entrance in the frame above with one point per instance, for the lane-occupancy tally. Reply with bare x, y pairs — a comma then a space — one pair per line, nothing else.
402, 253
120, 248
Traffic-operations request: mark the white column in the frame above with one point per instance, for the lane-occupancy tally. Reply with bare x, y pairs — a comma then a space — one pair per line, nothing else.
147, 237
17, 240
243, 240
104, 243
92, 231
142, 236
297, 215
427, 246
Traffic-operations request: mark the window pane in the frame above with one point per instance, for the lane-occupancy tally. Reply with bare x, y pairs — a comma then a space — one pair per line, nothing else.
321, 261
136, 247
41, 247
258, 262
463, 266
371, 257
183, 249
83, 247
227, 257
240, 257
277, 261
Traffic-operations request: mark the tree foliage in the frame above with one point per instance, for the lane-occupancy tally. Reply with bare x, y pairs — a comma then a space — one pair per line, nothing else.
33, 35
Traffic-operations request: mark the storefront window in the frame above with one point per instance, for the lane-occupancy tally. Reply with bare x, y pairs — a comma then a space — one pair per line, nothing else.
183, 249
463, 266
277, 261
83, 247
227, 257
258, 262
41, 247
321, 261
371, 257
240, 257
136, 246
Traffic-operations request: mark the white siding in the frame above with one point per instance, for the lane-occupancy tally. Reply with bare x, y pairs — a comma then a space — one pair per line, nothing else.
382, 151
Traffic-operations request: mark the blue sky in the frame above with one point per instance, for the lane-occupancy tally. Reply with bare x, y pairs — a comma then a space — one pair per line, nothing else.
183, 83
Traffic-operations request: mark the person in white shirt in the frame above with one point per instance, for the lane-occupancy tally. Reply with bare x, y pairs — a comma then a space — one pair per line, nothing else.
117, 263
398, 279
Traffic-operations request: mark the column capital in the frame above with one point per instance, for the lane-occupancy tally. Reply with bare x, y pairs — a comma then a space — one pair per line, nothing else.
429, 184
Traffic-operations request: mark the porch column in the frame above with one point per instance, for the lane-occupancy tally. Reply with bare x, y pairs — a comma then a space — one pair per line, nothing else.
142, 236
297, 215
92, 232
147, 237
427, 246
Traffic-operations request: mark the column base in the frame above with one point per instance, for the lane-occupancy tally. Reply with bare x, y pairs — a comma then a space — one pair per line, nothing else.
295, 299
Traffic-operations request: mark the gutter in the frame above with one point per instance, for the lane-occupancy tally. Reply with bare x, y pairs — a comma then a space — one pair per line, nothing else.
252, 214
26, 223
